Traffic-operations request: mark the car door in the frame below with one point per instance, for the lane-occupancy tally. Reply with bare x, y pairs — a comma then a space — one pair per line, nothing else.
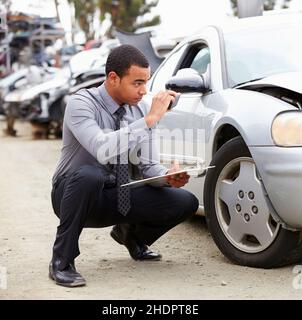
182, 130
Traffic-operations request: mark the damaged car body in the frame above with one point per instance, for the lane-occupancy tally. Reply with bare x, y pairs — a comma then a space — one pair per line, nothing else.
38, 97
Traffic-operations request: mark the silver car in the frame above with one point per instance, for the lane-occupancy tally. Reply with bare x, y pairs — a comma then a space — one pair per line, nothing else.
240, 102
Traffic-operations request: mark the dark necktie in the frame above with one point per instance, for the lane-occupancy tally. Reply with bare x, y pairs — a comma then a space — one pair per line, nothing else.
122, 172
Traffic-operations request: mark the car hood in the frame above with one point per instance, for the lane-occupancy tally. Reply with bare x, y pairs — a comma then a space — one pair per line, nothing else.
291, 81
30, 92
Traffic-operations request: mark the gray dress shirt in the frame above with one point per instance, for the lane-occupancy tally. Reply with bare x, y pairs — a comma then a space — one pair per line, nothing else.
90, 137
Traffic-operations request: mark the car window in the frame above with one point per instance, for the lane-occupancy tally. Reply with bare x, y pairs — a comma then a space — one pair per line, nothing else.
201, 60
167, 70
267, 52
196, 57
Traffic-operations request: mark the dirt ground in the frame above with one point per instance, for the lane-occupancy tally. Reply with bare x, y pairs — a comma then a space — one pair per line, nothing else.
192, 266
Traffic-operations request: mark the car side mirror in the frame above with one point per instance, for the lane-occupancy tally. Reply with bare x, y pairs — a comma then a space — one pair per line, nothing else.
187, 80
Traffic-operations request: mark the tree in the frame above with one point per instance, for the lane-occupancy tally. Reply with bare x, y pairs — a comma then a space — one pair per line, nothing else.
125, 14
84, 14
267, 5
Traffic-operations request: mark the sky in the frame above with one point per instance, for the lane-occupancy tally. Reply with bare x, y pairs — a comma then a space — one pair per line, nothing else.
191, 15
181, 17
178, 18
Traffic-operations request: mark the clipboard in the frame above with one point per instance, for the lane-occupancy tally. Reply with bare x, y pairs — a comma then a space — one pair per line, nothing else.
191, 171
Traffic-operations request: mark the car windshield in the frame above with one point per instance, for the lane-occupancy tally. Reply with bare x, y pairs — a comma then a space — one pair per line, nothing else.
255, 54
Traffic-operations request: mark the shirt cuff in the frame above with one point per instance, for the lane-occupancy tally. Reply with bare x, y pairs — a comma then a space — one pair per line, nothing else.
161, 171
155, 170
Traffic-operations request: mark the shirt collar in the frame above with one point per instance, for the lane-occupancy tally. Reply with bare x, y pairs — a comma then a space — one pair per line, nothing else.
110, 104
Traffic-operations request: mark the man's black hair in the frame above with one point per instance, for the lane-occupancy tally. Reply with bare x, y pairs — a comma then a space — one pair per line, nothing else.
123, 57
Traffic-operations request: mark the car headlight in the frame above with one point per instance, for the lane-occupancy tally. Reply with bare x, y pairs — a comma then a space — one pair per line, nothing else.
287, 129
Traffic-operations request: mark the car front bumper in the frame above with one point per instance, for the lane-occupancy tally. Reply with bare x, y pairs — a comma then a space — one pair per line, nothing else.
281, 172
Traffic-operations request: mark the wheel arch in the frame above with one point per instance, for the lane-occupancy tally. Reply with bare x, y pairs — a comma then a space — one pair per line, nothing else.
224, 134
228, 132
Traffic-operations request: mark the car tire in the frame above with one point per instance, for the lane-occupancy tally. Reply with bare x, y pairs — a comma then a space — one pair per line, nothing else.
235, 217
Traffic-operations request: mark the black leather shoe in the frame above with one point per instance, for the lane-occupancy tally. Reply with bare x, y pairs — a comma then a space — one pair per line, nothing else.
68, 277
121, 234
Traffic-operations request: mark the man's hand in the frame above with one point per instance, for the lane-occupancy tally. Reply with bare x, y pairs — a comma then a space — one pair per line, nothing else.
159, 107
177, 180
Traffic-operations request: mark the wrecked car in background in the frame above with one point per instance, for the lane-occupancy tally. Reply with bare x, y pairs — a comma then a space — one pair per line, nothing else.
38, 97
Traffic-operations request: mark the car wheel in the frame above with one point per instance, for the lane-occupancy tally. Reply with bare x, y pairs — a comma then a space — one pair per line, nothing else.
237, 213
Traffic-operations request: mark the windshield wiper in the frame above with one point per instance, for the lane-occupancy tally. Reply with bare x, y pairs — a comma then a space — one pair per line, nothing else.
240, 84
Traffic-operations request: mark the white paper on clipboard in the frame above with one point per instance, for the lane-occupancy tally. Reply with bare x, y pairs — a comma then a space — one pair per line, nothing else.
191, 171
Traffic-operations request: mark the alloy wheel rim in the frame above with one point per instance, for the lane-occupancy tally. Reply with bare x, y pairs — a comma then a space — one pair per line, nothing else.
241, 207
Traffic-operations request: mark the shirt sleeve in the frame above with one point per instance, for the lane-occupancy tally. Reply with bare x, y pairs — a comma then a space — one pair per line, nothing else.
103, 144
149, 160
